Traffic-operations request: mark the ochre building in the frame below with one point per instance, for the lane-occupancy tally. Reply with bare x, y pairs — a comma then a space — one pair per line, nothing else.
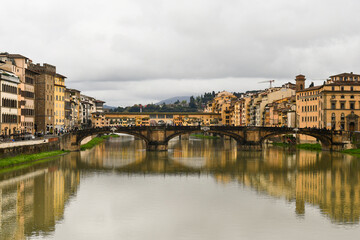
333, 105
153, 119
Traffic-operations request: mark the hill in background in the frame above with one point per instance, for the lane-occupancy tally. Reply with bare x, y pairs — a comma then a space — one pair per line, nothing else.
174, 99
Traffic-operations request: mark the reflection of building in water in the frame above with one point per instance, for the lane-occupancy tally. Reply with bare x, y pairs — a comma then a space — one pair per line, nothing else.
35, 201
204, 153
115, 153
318, 178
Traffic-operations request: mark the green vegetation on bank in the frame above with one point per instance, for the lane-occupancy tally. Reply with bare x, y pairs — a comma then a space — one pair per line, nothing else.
282, 144
309, 146
202, 136
352, 151
306, 146
11, 161
96, 140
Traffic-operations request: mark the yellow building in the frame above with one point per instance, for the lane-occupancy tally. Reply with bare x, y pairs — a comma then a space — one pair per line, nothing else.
59, 103
222, 103
334, 105
155, 118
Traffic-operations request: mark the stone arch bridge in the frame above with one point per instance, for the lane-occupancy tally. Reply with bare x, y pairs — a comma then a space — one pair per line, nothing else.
157, 137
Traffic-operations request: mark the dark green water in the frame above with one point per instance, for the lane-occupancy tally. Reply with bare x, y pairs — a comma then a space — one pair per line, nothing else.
199, 189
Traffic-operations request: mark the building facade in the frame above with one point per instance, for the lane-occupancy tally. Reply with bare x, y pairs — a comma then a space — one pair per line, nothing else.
19, 65
151, 119
334, 105
9, 103
44, 97
59, 103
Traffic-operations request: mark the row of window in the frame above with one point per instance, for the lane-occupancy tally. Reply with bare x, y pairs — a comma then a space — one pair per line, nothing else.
309, 119
333, 117
27, 124
343, 105
58, 98
342, 88
59, 89
342, 96
152, 116
29, 80
27, 112
27, 94
309, 93
10, 103
9, 118
308, 99
312, 108
9, 89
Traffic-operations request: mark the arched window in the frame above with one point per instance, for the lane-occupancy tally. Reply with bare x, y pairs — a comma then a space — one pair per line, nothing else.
342, 117
333, 117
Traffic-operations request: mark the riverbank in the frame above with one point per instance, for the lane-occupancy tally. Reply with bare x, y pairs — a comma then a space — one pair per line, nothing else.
25, 158
97, 140
201, 136
305, 146
352, 151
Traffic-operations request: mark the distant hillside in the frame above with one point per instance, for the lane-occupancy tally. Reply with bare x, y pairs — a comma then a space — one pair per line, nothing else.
174, 99
109, 107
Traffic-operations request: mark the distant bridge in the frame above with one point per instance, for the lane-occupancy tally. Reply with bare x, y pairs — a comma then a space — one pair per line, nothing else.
157, 137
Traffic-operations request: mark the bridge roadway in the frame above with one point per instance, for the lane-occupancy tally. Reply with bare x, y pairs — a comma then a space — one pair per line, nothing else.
157, 137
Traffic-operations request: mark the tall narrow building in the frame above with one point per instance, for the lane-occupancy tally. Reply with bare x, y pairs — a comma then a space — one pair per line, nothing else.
59, 103
44, 97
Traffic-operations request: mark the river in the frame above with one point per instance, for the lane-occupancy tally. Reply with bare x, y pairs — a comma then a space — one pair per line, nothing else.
199, 189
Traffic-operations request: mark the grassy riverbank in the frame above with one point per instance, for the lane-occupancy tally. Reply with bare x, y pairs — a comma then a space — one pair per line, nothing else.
204, 136
309, 146
306, 146
352, 151
11, 161
96, 140
282, 144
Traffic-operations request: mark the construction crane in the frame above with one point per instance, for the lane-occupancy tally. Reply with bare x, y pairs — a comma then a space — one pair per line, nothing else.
269, 81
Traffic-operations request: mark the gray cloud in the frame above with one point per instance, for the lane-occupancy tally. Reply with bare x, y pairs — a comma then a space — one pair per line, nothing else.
131, 47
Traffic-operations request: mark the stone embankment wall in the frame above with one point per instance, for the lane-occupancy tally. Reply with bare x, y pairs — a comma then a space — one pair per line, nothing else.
51, 144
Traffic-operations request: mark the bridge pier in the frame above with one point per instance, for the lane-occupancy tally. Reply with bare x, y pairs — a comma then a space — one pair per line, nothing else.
157, 146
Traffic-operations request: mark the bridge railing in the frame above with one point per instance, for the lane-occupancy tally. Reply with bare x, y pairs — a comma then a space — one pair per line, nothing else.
214, 128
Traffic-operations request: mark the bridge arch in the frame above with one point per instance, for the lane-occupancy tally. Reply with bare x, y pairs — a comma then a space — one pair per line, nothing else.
84, 135
239, 139
325, 141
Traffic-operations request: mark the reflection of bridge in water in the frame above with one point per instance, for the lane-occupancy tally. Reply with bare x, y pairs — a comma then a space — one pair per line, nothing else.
328, 181
157, 138
33, 200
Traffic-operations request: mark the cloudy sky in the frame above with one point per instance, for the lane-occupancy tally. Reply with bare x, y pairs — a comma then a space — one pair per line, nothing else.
142, 51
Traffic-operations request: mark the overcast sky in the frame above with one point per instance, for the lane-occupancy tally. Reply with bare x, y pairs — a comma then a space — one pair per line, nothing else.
142, 51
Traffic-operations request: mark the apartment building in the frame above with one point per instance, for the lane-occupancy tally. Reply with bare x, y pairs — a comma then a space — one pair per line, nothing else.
59, 103
19, 65
9, 120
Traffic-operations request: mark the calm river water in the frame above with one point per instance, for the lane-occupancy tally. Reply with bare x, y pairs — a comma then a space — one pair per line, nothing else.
199, 189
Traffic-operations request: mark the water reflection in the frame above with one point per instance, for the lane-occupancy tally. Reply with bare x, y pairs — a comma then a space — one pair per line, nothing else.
33, 200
